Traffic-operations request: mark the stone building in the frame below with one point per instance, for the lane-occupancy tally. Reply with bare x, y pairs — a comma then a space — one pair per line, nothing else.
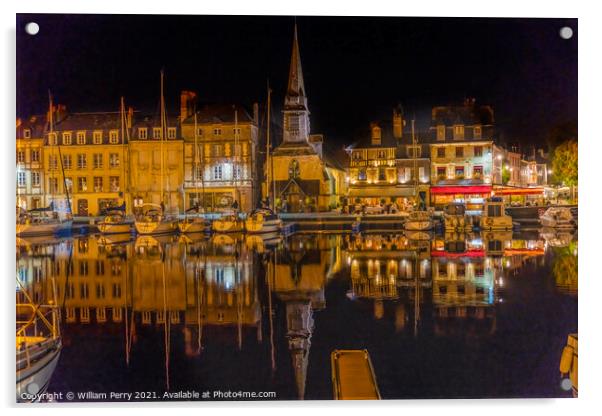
30, 166
220, 158
307, 179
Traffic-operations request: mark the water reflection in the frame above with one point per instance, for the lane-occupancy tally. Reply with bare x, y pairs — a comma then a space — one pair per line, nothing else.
263, 301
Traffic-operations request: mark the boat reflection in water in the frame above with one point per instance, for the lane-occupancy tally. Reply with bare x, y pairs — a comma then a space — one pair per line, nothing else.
264, 313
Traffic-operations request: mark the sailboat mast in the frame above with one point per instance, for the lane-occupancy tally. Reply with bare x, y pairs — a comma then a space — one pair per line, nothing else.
237, 194
123, 162
267, 153
415, 173
161, 138
60, 158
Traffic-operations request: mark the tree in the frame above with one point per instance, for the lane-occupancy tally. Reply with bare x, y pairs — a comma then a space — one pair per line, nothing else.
564, 163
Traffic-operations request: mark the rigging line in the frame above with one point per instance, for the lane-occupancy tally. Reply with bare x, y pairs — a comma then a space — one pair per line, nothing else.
165, 323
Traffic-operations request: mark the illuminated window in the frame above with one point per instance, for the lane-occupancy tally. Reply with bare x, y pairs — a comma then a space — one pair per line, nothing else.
114, 183
156, 132
35, 178
82, 161
97, 137
98, 184
81, 137
52, 139
114, 160
113, 137
21, 156
293, 169
21, 178
143, 133
478, 151
26, 133
361, 175
458, 132
477, 132
97, 160
82, 184
441, 171
67, 138
171, 133
477, 172
441, 152
459, 172
35, 155
441, 132
67, 162
217, 172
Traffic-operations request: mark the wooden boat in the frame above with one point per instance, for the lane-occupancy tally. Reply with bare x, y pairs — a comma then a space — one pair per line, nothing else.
353, 375
229, 222
419, 221
558, 217
151, 221
42, 222
263, 220
114, 222
193, 223
455, 218
494, 215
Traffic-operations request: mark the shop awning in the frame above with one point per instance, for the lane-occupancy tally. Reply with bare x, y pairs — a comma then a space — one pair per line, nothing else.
518, 191
447, 190
381, 191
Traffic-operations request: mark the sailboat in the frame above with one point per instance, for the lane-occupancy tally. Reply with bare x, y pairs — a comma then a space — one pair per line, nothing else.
115, 220
230, 221
152, 218
45, 221
195, 223
418, 220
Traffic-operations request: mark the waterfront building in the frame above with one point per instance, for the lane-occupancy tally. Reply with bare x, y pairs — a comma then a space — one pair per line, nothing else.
85, 161
464, 158
306, 178
222, 168
30, 162
156, 162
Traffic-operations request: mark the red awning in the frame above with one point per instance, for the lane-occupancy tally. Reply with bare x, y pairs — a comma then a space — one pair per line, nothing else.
485, 189
518, 191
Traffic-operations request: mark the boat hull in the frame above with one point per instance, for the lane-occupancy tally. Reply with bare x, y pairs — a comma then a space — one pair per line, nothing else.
34, 380
32, 230
192, 226
227, 226
262, 227
153, 228
552, 223
114, 228
418, 225
496, 223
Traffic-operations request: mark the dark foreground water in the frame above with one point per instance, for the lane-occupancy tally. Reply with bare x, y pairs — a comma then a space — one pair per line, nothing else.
452, 316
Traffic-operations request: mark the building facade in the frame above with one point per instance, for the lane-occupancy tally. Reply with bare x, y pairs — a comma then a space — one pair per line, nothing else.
220, 156
30, 162
305, 178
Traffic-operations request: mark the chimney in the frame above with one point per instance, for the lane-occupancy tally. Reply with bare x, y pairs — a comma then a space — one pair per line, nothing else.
130, 117
256, 113
187, 100
397, 123
375, 133
60, 113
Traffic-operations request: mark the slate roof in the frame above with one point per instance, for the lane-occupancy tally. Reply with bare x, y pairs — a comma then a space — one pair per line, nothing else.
220, 113
467, 114
36, 124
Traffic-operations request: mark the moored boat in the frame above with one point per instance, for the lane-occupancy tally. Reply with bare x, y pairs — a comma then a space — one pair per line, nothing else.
455, 218
419, 221
229, 222
42, 222
152, 220
115, 222
263, 220
558, 217
194, 223
494, 215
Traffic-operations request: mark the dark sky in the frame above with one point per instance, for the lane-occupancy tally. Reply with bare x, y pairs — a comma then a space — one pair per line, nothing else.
355, 68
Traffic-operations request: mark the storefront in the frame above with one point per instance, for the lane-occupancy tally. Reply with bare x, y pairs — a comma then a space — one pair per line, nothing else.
382, 197
473, 196
515, 196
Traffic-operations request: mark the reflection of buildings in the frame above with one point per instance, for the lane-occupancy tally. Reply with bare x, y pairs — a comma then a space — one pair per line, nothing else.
298, 275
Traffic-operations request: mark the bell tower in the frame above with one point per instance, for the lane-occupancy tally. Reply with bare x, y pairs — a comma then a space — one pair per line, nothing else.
295, 113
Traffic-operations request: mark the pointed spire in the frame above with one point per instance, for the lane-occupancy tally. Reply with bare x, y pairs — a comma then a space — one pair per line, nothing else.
295, 75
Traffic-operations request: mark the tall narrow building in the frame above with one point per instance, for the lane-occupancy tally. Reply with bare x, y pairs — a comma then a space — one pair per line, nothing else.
307, 180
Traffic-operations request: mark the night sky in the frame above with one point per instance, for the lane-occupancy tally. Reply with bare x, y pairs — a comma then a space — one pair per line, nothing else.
356, 68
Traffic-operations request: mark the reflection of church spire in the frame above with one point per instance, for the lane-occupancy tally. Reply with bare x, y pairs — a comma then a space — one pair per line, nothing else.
299, 329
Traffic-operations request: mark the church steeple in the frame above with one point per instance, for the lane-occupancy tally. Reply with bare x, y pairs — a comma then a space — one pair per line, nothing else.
296, 113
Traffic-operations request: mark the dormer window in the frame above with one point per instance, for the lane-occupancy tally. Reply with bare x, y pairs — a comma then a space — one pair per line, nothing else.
458, 132
478, 132
97, 137
199, 131
143, 133
52, 139
156, 132
67, 138
217, 132
113, 137
376, 135
171, 133
441, 133
27, 134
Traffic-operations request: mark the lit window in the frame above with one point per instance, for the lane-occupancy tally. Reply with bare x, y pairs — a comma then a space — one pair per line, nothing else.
478, 132
114, 160
459, 172
66, 138
441, 172
171, 133
26, 133
217, 132
143, 133
81, 137
97, 159
156, 132
82, 184
97, 137
113, 137
361, 175
35, 178
477, 172
98, 184
440, 132
458, 132
114, 183
21, 156
217, 172
67, 162
52, 139
82, 161
35, 155
21, 178
69, 183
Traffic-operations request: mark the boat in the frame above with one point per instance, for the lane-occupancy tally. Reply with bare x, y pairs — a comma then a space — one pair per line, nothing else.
195, 223
42, 222
353, 375
455, 218
151, 220
494, 215
569, 365
38, 346
558, 217
262, 220
419, 221
114, 222
229, 222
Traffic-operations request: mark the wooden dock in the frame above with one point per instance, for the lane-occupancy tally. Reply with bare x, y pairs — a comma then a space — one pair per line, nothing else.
353, 376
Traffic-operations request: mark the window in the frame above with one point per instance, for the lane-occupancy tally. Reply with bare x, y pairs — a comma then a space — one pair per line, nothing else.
156, 132
26, 134
381, 154
494, 210
361, 175
82, 184
441, 152
236, 131
113, 137
81, 137
441, 171
21, 178
171, 133
143, 133
217, 150
459, 151
478, 131
478, 151
97, 137
52, 139
97, 158
35, 178
21, 156
237, 150
114, 183
197, 173
98, 184
69, 183
415, 151
440, 132
35, 155
53, 185
477, 172
293, 124
114, 160
459, 172
382, 174
293, 169
217, 132
67, 162
458, 132
357, 155
217, 172
53, 162
421, 174
237, 171
82, 161
199, 131
67, 138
